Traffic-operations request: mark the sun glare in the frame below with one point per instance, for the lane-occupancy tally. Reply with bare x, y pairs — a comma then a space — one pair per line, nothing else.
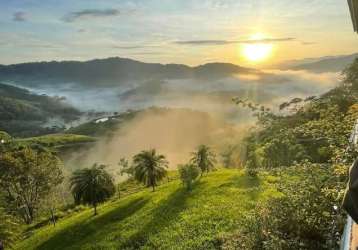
256, 50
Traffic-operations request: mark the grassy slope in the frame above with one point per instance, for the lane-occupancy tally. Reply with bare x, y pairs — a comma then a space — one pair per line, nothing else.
57, 139
170, 218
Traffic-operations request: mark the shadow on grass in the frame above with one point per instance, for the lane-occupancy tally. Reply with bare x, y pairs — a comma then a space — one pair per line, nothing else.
82, 231
243, 182
250, 186
163, 215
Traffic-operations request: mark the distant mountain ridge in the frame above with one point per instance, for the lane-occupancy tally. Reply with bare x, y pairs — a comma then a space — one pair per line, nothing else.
321, 65
110, 72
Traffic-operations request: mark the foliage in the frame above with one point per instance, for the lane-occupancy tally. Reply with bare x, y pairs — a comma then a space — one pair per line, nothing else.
4, 137
351, 75
251, 170
9, 230
228, 156
52, 203
92, 186
25, 114
149, 167
188, 174
317, 131
314, 137
27, 175
126, 168
204, 158
303, 217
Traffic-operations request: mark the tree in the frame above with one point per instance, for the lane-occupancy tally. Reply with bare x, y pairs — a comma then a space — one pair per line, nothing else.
188, 174
92, 186
204, 158
351, 75
126, 168
27, 176
227, 155
149, 167
53, 201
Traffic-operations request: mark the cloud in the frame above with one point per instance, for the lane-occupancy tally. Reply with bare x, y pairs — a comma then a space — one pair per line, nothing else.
19, 16
90, 13
224, 42
308, 43
270, 40
127, 47
205, 42
329, 79
133, 47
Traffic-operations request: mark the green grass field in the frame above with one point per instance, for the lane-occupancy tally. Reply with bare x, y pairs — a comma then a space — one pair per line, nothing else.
169, 218
57, 140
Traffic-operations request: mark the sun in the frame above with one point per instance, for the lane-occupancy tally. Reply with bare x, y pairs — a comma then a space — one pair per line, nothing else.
255, 50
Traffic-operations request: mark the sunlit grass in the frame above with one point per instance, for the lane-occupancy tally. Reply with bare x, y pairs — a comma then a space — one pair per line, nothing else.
170, 218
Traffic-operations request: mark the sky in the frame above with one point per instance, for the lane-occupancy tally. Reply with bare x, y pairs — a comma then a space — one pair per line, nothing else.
191, 32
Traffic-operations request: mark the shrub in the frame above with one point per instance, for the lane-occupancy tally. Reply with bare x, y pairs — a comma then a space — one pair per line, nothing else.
303, 217
251, 170
188, 174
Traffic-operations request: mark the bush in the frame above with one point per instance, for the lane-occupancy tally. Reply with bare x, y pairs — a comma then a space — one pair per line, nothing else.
188, 174
301, 218
251, 170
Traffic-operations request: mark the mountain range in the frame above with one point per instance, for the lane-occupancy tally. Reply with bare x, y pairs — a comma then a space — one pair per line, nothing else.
117, 71
109, 72
320, 65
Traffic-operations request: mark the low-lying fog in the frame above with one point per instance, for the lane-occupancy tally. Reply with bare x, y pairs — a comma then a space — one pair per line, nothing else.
174, 133
177, 134
266, 87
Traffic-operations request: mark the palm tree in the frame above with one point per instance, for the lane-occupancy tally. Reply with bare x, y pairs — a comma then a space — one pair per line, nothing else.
149, 167
92, 186
204, 158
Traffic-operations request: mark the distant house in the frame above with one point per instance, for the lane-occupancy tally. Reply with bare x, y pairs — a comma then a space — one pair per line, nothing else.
353, 7
102, 120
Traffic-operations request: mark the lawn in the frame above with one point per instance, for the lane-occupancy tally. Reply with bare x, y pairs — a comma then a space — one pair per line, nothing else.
169, 218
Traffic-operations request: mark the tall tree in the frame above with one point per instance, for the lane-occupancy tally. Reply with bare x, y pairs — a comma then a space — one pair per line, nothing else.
27, 176
149, 167
204, 158
92, 186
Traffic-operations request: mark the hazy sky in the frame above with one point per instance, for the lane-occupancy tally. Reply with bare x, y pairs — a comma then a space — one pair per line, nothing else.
172, 31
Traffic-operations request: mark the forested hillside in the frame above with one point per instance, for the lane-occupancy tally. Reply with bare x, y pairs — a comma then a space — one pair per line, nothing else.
309, 138
23, 113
